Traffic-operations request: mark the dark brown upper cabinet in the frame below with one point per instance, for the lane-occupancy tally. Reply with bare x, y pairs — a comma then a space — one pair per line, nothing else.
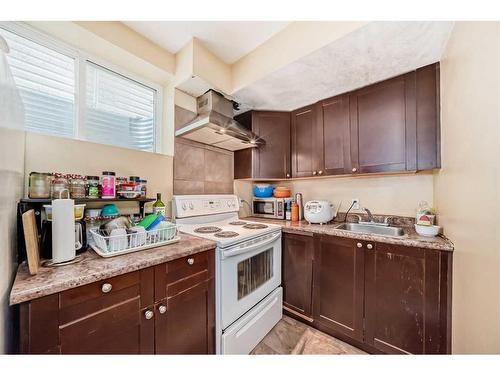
333, 148
304, 129
271, 160
383, 126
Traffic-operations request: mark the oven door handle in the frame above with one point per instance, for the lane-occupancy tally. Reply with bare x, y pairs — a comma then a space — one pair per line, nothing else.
231, 253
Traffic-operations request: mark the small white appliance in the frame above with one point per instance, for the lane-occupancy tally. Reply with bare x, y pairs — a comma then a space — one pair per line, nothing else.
319, 212
249, 298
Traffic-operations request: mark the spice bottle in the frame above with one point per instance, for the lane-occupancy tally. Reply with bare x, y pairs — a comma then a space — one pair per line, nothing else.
92, 187
295, 212
108, 185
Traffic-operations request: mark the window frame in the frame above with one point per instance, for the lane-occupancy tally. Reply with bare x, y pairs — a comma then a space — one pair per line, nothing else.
81, 58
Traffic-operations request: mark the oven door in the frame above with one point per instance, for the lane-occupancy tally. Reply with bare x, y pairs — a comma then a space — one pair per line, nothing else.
249, 272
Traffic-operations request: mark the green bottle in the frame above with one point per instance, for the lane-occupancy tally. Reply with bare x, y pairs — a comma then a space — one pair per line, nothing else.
159, 206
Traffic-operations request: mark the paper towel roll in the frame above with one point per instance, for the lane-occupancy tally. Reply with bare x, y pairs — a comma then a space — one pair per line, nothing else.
63, 230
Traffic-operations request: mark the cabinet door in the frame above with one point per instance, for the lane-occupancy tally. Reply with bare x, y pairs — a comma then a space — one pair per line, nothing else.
333, 136
304, 161
406, 299
297, 259
187, 325
273, 158
383, 126
338, 290
186, 288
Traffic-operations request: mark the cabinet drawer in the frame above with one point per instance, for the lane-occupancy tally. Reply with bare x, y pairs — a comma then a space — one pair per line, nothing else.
181, 274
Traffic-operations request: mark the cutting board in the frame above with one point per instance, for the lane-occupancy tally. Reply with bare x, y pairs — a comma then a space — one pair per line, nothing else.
31, 240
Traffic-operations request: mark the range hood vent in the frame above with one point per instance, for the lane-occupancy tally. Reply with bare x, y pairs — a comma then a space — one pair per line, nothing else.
215, 126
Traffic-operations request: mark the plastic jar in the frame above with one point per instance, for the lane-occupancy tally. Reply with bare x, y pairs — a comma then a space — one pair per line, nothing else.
120, 181
108, 185
39, 185
77, 186
59, 183
92, 187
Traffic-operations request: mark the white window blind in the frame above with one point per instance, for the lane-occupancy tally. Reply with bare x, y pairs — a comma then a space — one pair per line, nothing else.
119, 110
46, 82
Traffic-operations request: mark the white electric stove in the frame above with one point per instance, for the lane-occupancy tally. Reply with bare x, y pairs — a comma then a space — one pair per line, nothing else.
248, 268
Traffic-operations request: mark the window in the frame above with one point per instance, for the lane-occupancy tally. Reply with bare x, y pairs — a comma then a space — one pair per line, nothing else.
46, 82
120, 111
113, 108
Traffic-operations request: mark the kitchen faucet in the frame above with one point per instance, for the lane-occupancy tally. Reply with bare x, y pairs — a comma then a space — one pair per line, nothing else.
370, 216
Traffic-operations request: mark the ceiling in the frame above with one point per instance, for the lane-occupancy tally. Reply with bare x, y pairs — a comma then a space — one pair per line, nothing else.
375, 52
228, 40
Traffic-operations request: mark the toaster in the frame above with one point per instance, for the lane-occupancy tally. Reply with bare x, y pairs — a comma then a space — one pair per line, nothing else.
319, 212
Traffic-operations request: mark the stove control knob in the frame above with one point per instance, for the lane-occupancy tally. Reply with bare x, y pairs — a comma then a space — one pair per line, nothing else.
184, 206
191, 206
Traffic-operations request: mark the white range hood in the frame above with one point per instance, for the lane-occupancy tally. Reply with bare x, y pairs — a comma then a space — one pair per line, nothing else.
215, 126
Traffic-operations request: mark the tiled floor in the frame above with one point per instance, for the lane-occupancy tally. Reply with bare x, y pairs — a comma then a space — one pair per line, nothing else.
290, 336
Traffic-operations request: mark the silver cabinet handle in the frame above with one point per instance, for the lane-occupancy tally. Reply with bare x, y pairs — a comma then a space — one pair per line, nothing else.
320, 172
162, 309
106, 288
369, 246
148, 314
314, 173
190, 261
354, 169
359, 244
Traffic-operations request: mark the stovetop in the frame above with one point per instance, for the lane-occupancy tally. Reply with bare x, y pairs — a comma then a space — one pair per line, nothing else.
229, 231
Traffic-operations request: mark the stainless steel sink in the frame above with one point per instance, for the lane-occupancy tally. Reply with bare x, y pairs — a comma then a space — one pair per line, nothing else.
372, 229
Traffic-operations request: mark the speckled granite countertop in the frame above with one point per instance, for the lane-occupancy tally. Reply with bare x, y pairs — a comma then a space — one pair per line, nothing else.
92, 267
410, 238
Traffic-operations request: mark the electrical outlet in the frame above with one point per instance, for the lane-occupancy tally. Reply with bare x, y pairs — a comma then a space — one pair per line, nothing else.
355, 203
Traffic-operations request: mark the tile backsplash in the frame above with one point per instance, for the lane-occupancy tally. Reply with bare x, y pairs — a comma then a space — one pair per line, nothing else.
199, 168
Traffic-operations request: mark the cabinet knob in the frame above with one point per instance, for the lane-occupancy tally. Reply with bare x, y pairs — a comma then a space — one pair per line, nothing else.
148, 314
190, 261
106, 288
320, 172
359, 244
314, 173
354, 169
369, 246
288, 175
162, 309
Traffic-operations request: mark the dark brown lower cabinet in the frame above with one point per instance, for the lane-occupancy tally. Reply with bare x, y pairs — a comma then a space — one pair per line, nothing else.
297, 271
338, 286
125, 314
380, 297
407, 302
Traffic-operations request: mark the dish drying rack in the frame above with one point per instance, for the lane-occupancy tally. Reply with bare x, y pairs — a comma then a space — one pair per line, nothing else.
110, 246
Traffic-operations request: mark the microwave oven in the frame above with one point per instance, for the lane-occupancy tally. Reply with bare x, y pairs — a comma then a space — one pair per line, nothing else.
272, 208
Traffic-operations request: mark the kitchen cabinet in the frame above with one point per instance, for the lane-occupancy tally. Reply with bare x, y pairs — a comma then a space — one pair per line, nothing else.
185, 318
390, 126
168, 308
383, 298
407, 299
338, 298
297, 259
304, 129
271, 160
333, 148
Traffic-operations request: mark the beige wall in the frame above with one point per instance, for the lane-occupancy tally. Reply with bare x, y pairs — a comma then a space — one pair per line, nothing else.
391, 194
53, 154
468, 186
12, 176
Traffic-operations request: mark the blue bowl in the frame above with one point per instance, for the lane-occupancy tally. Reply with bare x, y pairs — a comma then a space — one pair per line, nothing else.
263, 191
